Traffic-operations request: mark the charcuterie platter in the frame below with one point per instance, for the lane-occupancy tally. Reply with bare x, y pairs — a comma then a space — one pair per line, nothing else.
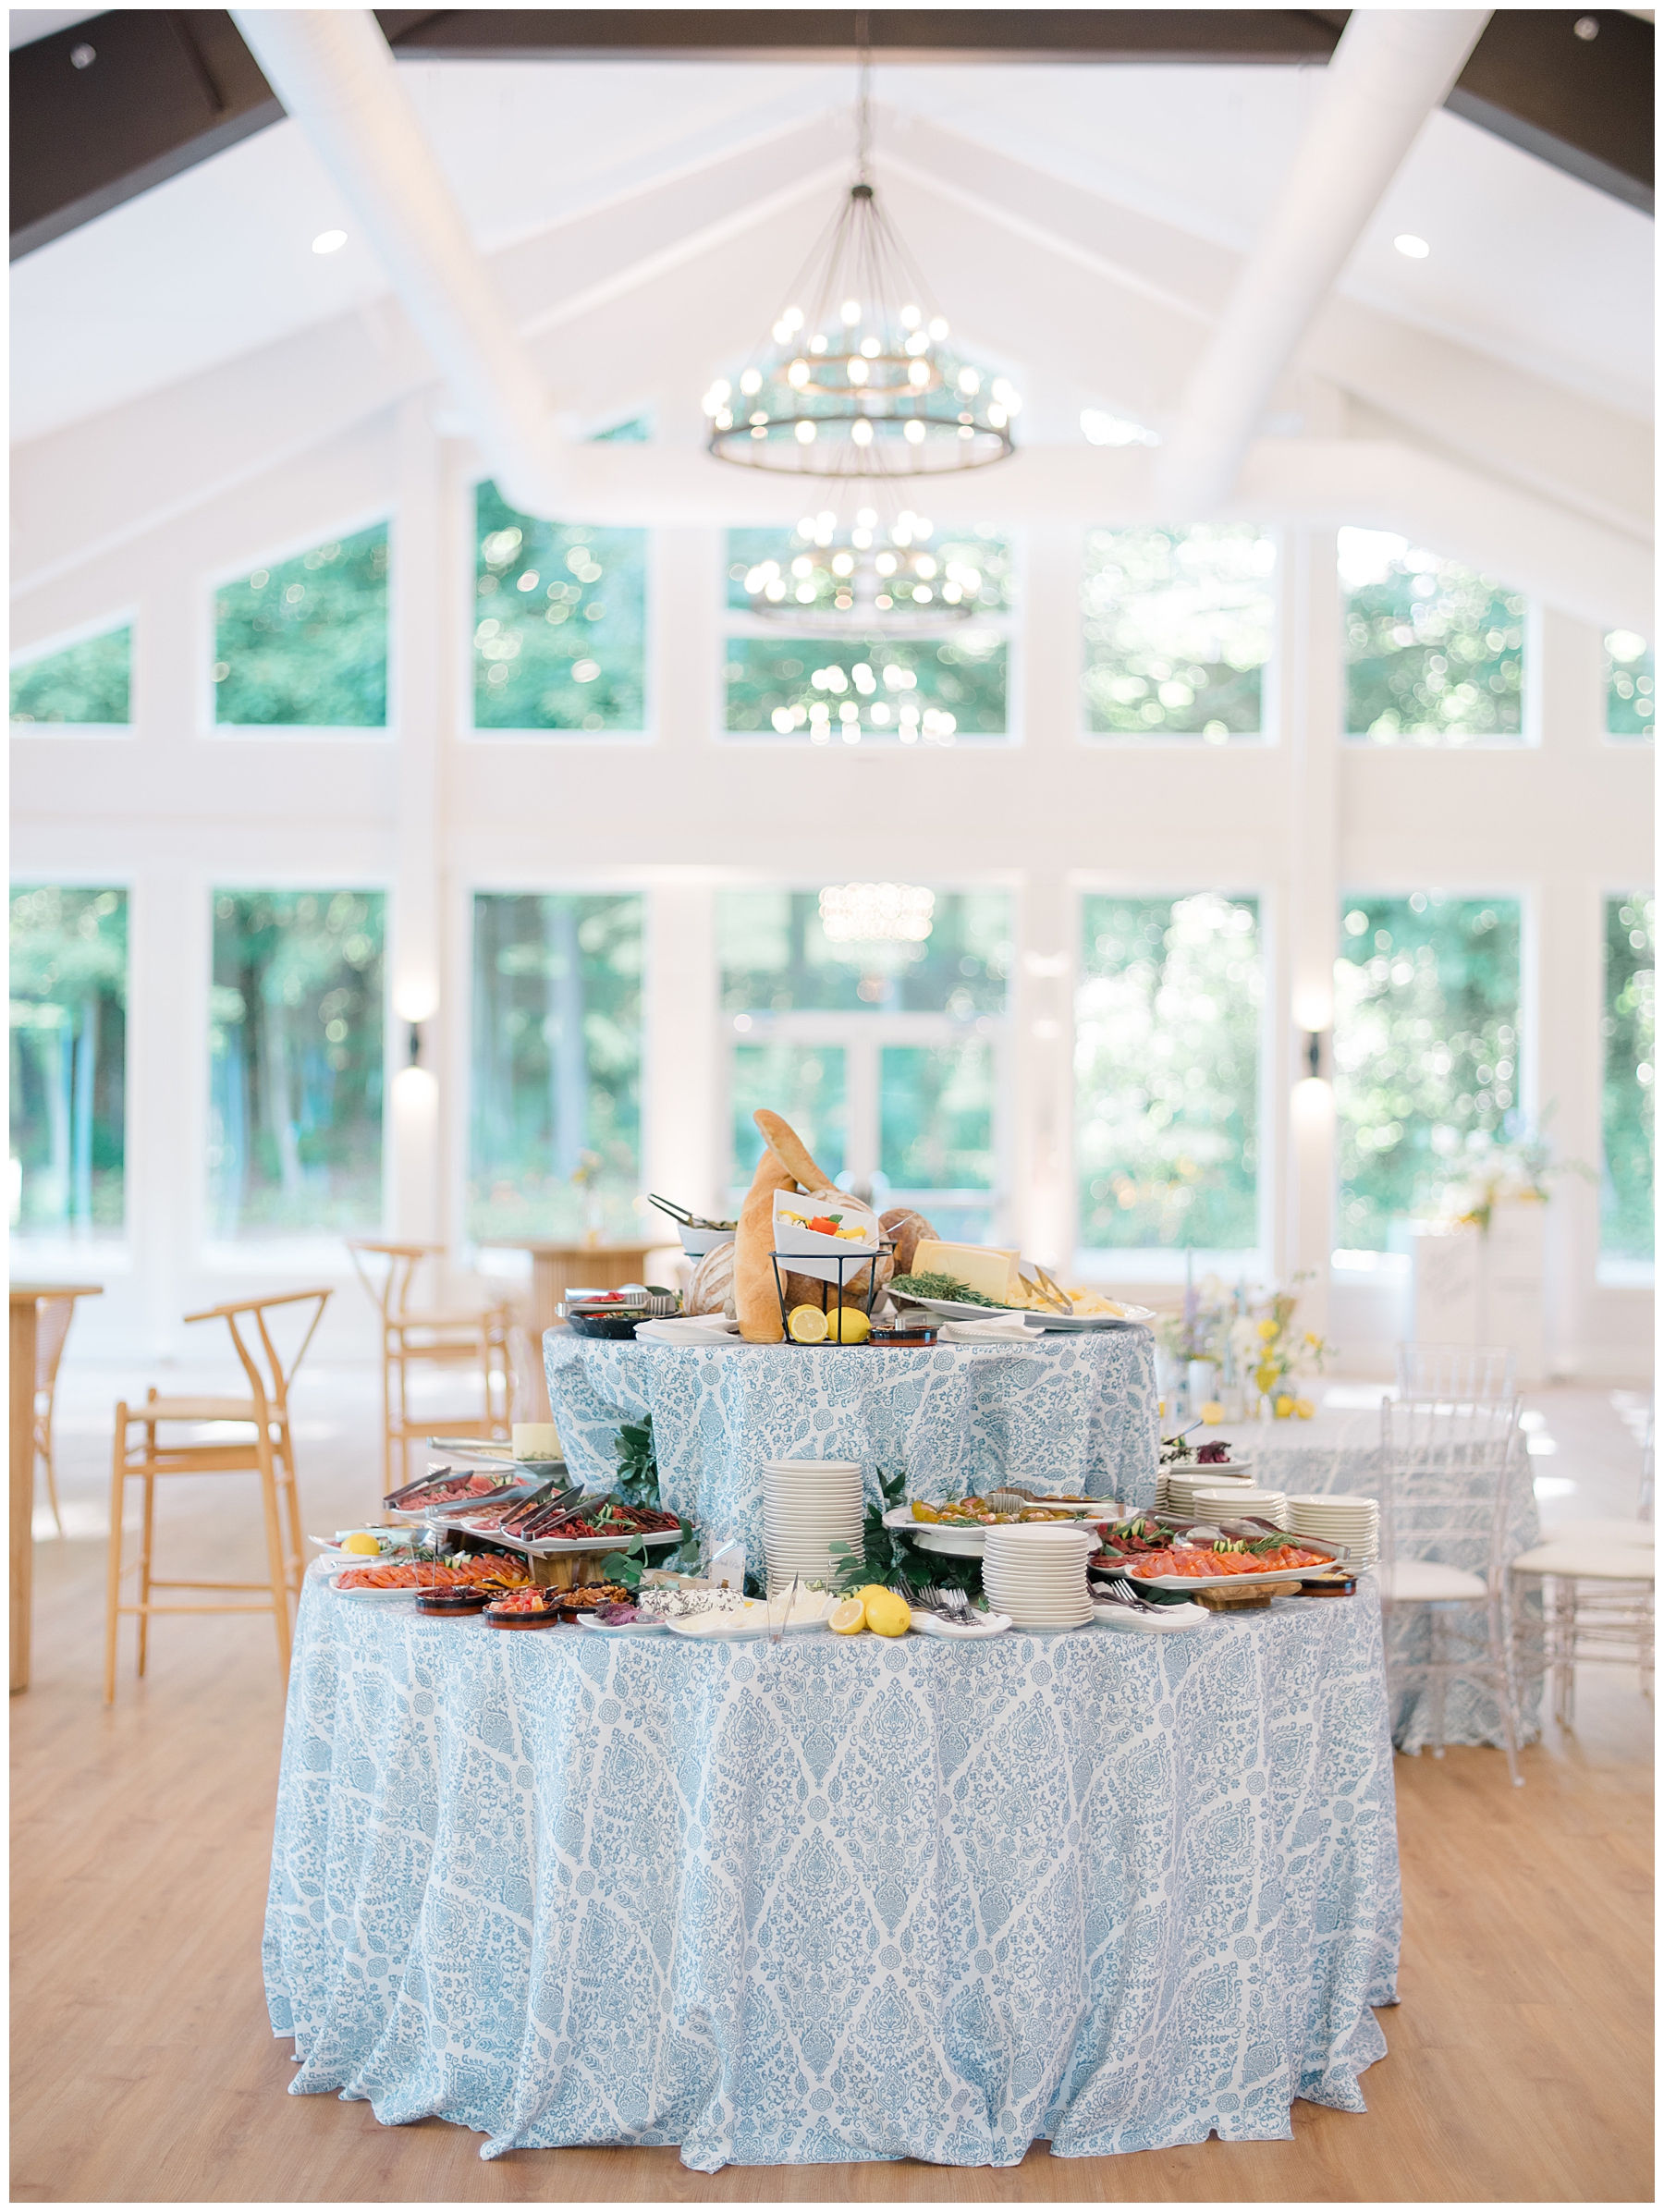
1159, 1551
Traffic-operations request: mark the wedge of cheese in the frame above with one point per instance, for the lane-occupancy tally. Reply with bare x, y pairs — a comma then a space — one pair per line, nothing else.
986, 1267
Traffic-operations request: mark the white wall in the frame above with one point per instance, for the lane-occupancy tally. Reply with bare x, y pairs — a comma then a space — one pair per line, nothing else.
433, 813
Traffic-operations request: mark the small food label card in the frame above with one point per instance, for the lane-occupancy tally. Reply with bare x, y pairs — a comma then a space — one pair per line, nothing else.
818, 1232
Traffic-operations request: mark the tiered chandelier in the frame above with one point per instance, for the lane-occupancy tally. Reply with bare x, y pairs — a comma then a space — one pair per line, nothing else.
857, 383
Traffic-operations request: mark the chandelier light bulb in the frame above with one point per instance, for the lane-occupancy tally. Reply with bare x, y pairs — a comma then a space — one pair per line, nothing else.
911, 317
851, 311
805, 433
861, 432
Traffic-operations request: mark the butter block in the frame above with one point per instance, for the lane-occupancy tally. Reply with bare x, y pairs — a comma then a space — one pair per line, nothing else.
987, 1269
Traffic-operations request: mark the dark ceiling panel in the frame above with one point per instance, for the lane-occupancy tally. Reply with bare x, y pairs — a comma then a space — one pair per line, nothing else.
1585, 104
164, 89
996, 34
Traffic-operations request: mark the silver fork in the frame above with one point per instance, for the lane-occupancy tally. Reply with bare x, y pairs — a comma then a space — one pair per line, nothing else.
949, 1604
1119, 1593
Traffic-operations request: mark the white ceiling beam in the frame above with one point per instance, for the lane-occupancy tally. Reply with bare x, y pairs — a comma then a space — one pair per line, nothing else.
1391, 69
332, 69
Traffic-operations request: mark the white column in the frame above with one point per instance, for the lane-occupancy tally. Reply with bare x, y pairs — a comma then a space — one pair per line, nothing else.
1044, 1215
418, 703
1312, 713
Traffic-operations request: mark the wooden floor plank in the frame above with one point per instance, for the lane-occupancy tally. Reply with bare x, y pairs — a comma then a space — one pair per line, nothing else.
144, 2070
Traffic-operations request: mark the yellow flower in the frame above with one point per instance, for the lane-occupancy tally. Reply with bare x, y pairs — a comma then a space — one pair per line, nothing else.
1267, 1329
1311, 1340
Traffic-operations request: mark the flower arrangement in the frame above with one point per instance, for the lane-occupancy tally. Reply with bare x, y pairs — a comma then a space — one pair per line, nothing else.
1274, 1350
1517, 1168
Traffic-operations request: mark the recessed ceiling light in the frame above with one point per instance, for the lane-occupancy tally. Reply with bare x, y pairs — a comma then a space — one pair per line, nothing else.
330, 241
1412, 248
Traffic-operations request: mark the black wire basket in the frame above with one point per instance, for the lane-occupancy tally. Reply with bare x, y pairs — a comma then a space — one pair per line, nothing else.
854, 1264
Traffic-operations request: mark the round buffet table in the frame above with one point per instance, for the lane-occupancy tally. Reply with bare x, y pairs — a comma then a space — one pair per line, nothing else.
835, 1899
1068, 1410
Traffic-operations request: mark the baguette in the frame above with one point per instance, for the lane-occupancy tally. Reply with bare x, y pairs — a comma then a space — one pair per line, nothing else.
757, 1300
792, 1152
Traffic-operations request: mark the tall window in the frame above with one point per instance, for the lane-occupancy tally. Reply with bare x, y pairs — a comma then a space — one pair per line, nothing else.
296, 1063
935, 686
303, 644
1435, 654
560, 623
1167, 1073
885, 1054
1426, 1052
1628, 1030
1630, 698
68, 1060
1177, 626
556, 1126
89, 683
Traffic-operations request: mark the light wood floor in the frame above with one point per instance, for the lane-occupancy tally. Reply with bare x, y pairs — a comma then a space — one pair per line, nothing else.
145, 2069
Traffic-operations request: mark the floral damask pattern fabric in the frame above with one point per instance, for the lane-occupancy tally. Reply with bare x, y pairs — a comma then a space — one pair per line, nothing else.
835, 1899
1072, 1410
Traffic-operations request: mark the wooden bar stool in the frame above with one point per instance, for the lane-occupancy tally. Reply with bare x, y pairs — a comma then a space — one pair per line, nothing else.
413, 1337
267, 1451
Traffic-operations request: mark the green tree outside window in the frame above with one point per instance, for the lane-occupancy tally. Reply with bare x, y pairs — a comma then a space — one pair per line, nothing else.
1177, 626
1631, 695
303, 644
775, 958
296, 1063
1629, 1041
1426, 1051
68, 1060
806, 1084
556, 1062
1435, 653
1166, 1073
88, 683
560, 622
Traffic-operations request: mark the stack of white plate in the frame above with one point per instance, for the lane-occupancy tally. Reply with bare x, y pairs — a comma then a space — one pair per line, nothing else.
1037, 1575
1183, 1481
1338, 1519
1236, 1499
807, 1506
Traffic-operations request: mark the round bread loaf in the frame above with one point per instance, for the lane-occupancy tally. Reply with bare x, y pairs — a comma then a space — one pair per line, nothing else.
907, 1230
712, 1290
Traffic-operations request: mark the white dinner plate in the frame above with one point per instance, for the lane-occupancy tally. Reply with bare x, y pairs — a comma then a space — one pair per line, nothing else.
986, 1624
737, 1628
1168, 1620
620, 1628
957, 1309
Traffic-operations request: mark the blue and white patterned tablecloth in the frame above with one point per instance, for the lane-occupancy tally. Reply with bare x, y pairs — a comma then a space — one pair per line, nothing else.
1072, 1410
1344, 1453
836, 1900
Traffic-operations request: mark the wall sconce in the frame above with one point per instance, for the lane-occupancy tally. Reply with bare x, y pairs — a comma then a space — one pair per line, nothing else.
415, 1047
1314, 1054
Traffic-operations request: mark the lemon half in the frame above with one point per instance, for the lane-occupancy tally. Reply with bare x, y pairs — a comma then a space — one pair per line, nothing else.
848, 1617
808, 1325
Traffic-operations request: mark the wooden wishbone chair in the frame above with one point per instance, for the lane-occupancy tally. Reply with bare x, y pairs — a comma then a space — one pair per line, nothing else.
267, 1451
415, 1338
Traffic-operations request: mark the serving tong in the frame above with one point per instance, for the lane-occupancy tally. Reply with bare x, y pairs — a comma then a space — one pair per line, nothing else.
669, 1206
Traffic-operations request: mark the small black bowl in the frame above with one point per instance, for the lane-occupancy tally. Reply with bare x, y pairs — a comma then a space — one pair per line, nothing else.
614, 1327
452, 1605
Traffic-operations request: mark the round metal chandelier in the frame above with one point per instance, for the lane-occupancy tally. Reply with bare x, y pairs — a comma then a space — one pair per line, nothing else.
875, 577
857, 382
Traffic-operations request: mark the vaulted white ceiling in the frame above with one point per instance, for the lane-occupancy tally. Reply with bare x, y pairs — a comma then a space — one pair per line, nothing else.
1081, 226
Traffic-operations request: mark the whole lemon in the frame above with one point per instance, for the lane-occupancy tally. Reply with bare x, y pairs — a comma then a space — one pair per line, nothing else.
849, 1324
1283, 1408
1213, 1412
887, 1615
1304, 1407
361, 1541
872, 1590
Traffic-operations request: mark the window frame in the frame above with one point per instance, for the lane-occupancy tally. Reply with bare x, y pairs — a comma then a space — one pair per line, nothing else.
463, 598
1615, 1271
1012, 625
211, 583
1110, 1264
1272, 671
61, 641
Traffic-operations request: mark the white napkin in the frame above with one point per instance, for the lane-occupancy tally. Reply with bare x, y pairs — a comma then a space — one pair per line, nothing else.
998, 1328
689, 1328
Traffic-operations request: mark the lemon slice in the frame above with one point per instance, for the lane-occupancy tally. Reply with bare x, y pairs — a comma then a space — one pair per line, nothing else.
848, 1617
808, 1325
851, 1325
